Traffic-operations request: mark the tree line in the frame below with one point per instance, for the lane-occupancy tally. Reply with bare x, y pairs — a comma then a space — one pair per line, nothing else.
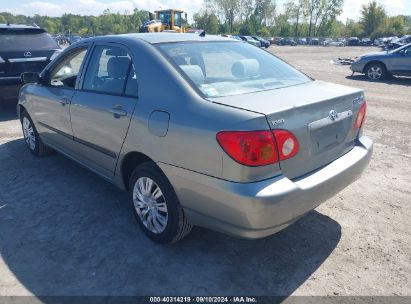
107, 23
298, 18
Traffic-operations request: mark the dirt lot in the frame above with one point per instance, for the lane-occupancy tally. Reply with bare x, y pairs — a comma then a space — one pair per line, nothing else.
65, 231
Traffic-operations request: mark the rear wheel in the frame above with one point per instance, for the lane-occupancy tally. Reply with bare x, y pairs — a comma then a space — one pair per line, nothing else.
376, 71
32, 138
156, 206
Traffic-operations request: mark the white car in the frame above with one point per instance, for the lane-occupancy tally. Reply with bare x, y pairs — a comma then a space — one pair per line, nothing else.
333, 43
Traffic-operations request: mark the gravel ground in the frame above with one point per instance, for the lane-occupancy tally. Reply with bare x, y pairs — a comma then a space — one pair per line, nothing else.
65, 231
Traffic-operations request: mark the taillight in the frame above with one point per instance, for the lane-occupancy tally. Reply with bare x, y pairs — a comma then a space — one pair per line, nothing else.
287, 144
258, 148
360, 116
250, 148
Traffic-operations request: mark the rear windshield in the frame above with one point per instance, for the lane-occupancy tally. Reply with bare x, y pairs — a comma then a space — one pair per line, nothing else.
21, 41
231, 68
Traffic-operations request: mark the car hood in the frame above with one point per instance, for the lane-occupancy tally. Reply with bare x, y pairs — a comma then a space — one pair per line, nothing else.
376, 54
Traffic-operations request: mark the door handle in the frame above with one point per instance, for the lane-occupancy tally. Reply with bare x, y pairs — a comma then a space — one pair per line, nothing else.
118, 111
64, 101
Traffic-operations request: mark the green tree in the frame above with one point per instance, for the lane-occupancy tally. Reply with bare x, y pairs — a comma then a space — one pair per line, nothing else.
372, 17
297, 11
207, 21
229, 9
353, 29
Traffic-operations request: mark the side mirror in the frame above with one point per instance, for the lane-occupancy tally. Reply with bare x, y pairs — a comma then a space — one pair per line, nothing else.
30, 77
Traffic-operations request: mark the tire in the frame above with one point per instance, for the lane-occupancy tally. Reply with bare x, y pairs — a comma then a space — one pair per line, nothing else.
375, 71
158, 213
32, 138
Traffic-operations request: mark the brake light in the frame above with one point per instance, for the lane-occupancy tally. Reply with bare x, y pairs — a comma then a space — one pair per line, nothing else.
359, 121
250, 148
258, 148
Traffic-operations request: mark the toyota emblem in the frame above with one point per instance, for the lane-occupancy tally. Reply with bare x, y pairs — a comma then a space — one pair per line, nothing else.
333, 115
27, 54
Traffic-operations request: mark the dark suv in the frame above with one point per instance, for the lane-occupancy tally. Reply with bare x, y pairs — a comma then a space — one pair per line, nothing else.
22, 49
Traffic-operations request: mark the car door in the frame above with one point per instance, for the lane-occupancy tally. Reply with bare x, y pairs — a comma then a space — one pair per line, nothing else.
51, 99
401, 63
102, 109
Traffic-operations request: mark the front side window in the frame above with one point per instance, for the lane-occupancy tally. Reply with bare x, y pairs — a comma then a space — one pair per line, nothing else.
108, 70
66, 72
230, 68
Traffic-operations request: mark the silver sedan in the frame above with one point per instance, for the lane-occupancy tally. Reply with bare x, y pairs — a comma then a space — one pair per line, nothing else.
206, 131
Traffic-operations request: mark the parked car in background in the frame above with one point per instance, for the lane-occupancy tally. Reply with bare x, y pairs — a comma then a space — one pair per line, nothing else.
287, 41
366, 42
314, 41
353, 41
330, 42
251, 40
274, 40
245, 148
380, 41
395, 43
264, 43
302, 41
23, 48
343, 40
377, 66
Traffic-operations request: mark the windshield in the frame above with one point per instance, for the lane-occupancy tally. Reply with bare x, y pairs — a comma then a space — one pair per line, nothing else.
231, 68
22, 42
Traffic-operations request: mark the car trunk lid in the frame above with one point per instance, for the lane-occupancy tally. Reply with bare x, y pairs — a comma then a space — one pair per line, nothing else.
320, 115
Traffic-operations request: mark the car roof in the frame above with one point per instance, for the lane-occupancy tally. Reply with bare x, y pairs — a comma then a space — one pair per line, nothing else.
154, 38
17, 26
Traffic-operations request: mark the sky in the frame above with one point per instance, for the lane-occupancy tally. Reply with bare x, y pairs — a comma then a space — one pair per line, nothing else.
96, 7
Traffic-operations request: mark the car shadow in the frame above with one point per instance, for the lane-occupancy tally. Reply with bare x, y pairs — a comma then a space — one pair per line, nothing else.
397, 80
65, 231
8, 110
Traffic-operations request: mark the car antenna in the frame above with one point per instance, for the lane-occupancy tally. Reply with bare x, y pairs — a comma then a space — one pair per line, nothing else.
202, 34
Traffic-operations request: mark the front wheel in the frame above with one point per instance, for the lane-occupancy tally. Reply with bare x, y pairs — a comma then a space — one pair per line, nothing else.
375, 71
32, 138
156, 206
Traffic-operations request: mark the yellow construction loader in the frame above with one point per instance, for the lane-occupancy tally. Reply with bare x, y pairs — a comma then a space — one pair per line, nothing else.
165, 20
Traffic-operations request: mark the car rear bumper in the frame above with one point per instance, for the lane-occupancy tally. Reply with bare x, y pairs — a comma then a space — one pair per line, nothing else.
259, 209
9, 88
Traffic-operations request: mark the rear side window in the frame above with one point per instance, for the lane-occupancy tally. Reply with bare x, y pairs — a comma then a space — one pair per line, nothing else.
108, 70
23, 40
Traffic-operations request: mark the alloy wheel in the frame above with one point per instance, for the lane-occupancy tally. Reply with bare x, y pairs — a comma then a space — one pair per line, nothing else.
375, 72
28, 133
